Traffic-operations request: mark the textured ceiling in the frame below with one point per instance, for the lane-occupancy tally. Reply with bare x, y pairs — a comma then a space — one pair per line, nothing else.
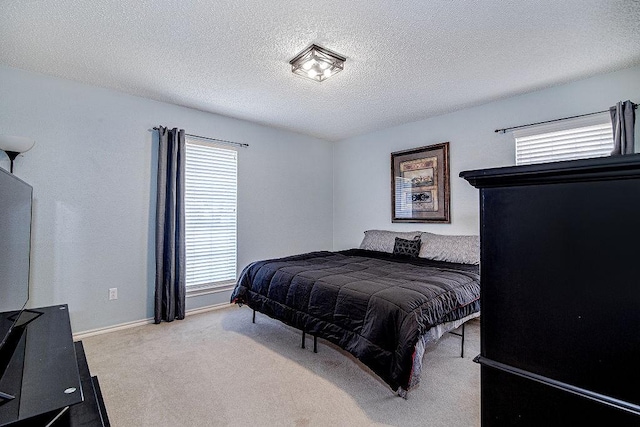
407, 60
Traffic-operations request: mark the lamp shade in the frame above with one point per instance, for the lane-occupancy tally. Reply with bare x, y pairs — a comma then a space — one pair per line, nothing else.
17, 144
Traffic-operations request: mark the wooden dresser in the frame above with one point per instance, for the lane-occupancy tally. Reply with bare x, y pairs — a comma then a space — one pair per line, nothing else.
560, 292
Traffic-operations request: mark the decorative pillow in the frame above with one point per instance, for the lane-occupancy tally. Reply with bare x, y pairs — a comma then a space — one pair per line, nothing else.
459, 249
383, 240
404, 247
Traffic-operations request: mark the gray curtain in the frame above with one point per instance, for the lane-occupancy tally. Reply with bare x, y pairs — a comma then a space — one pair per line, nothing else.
170, 230
623, 118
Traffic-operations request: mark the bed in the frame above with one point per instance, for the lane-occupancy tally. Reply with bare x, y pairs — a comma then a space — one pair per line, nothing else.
383, 307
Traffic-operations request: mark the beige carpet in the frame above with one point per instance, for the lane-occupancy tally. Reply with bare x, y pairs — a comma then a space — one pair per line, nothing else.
219, 369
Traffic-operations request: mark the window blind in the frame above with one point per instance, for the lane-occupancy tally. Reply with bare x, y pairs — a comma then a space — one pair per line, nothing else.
567, 140
211, 178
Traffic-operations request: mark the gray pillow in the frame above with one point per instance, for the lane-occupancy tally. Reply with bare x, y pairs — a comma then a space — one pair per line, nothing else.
384, 240
459, 249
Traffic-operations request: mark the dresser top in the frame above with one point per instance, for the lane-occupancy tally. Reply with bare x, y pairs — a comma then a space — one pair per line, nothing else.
597, 169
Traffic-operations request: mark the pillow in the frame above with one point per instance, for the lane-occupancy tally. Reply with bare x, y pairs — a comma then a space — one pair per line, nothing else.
459, 249
404, 247
383, 240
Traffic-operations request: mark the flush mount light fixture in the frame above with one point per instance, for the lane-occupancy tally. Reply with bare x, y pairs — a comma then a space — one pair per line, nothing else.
317, 63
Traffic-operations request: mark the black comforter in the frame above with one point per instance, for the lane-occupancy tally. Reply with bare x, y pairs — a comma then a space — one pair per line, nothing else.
371, 304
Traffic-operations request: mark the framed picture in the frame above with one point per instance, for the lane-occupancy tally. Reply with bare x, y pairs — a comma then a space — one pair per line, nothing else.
420, 184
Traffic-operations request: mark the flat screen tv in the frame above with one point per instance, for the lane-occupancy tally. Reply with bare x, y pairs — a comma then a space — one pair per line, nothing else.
15, 249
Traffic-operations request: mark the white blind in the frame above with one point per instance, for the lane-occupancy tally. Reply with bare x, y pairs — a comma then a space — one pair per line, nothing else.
567, 140
211, 177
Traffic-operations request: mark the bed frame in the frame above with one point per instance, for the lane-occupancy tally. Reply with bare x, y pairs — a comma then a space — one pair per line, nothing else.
315, 337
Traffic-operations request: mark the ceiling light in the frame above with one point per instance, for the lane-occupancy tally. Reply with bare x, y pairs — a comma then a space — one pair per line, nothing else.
317, 63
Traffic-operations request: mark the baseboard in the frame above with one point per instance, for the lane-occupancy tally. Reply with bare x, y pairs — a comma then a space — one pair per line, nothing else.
99, 331
209, 308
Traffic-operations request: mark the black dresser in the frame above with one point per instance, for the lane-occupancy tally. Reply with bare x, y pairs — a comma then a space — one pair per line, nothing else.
560, 292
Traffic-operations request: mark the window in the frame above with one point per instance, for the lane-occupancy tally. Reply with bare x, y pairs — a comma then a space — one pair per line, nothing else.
210, 216
565, 140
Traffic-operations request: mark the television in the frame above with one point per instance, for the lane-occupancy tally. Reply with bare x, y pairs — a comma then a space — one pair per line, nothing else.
15, 249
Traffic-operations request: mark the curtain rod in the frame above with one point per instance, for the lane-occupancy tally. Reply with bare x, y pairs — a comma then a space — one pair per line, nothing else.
635, 106
240, 144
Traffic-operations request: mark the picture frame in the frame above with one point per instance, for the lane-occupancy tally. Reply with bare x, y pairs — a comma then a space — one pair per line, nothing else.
420, 184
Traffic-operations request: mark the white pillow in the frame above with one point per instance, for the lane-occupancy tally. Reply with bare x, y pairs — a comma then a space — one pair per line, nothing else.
458, 249
384, 240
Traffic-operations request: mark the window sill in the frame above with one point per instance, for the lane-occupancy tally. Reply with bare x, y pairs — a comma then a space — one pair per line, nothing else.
196, 291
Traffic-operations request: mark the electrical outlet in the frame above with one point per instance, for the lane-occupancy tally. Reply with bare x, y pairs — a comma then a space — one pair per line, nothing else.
113, 293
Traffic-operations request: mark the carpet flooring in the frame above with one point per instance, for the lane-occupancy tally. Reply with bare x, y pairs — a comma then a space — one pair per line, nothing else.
219, 369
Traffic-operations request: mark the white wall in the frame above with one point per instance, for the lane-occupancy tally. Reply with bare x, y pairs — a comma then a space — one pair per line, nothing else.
93, 171
362, 165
